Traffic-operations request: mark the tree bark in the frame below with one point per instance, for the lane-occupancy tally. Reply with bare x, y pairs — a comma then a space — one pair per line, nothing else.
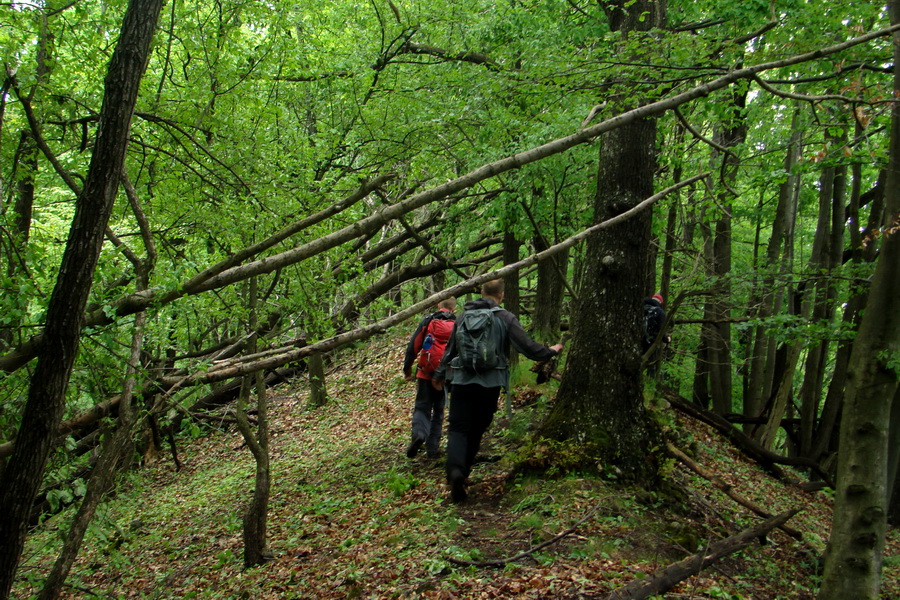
854, 556
255, 516
548, 302
116, 446
826, 255
600, 404
765, 298
65, 312
318, 393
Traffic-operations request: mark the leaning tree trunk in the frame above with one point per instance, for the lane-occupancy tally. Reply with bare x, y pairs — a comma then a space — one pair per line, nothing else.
115, 448
600, 404
854, 556
65, 312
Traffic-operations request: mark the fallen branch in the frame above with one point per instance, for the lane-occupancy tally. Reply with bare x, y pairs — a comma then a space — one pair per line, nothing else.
666, 577
727, 489
767, 459
504, 561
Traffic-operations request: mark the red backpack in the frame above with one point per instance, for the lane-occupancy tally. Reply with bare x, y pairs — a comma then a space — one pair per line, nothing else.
434, 341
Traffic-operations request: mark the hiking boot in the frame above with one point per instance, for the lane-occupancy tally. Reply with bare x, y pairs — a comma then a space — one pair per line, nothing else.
458, 491
414, 446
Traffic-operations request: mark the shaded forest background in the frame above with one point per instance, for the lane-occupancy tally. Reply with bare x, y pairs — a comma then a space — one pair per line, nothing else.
202, 200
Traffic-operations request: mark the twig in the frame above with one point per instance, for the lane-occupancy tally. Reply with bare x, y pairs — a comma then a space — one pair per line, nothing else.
727, 489
665, 578
499, 562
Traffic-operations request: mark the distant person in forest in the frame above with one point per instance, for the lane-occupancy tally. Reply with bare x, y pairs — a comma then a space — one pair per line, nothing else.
654, 320
476, 364
425, 349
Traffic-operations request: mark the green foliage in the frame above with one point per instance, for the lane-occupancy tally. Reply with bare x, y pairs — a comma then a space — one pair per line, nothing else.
399, 483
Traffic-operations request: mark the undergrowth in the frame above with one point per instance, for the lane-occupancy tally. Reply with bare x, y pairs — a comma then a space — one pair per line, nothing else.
351, 517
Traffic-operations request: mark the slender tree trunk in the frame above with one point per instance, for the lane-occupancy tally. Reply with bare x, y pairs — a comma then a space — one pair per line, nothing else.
548, 302
512, 296
671, 241
318, 392
256, 514
117, 445
65, 312
827, 252
765, 299
823, 441
731, 134
854, 556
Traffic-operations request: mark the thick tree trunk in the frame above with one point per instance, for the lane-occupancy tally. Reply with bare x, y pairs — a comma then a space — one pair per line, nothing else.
600, 404
854, 556
600, 401
65, 313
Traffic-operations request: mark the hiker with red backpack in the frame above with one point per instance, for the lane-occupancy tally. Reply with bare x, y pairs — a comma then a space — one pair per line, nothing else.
425, 349
476, 361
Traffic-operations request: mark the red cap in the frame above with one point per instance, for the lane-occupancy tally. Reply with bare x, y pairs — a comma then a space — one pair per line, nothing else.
658, 298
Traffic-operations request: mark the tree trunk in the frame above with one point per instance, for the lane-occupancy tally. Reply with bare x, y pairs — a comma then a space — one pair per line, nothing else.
854, 556
318, 392
600, 401
825, 257
256, 515
600, 404
65, 312
731, 133
116, 446
764, 297
824, 440
548, 302
893, 470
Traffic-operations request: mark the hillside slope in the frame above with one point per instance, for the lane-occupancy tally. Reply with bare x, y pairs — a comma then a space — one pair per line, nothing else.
352, 517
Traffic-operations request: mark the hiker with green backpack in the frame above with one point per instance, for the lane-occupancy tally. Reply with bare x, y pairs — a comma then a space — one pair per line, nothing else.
425, 350
476, 363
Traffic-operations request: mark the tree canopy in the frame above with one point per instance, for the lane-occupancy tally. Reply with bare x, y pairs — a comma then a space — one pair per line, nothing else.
359, 161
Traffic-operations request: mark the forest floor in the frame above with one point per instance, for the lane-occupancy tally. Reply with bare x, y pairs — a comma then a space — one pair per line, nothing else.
352, 517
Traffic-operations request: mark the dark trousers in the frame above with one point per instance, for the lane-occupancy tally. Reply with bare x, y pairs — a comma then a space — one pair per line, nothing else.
472, 409
428, 415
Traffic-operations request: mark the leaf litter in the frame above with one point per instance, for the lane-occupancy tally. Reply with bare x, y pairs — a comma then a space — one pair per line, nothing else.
351, 517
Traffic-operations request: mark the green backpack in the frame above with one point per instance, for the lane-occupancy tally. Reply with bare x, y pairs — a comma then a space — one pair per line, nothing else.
479, 336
